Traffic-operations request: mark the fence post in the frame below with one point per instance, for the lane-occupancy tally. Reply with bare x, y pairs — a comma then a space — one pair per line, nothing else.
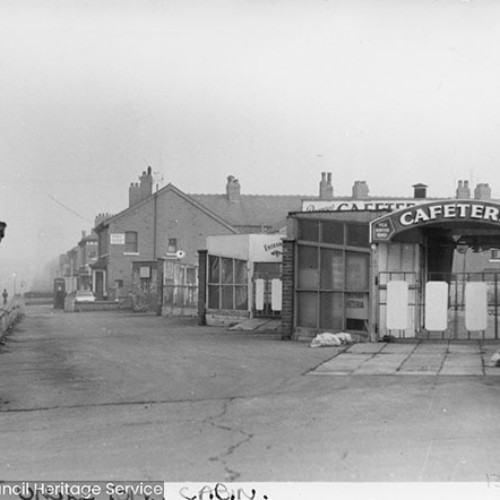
495, 309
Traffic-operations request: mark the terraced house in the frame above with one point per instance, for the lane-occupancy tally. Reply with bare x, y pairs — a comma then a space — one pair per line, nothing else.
148, 253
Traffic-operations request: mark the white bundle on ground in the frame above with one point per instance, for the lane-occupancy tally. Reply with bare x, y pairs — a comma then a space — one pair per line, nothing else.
331, 339
495, 359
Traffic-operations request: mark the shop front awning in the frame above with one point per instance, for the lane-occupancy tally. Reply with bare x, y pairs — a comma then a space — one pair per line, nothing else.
476, 218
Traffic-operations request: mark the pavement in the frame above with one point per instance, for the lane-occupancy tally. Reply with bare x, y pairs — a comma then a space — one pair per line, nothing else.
421, 358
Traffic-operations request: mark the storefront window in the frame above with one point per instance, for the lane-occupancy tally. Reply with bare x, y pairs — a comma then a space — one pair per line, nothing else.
332, 269
213, 296
240, 271
307, 313
213, 269
308, 276
357, 271
332, 276
332, 232
227, 283
331, 311
309, 230
358, 235
226, 270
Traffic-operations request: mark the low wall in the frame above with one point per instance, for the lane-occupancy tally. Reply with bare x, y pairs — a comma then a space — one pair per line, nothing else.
10, 314
216, 317
99, 305
179, 311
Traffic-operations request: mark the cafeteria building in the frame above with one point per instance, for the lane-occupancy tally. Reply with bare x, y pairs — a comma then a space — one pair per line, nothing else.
393, 268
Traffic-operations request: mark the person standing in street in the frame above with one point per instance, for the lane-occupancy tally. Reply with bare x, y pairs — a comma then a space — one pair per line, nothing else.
5, 296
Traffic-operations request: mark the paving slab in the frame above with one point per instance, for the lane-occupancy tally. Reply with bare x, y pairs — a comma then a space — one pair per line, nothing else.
382, 364
442, 358
344, 363
422, 363
366, 348
398, 348
472, 348
434, 348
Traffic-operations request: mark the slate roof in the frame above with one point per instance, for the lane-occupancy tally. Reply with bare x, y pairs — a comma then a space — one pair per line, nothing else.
251, 210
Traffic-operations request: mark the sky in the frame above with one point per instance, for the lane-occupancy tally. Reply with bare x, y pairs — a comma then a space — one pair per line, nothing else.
274, 92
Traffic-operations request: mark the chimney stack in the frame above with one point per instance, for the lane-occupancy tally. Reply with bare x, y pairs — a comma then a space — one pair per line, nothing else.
233, 189
146, 183
463, 190
326, 186
100, 218
482, 192
419, 191
140, 191
360, 190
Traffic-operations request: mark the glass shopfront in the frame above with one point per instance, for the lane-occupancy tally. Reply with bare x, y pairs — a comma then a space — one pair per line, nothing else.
332, 269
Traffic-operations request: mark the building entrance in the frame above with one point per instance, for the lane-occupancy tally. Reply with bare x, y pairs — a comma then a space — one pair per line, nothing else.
436, 278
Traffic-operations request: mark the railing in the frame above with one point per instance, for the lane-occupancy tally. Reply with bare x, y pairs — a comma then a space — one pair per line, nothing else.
180, 299
10, 314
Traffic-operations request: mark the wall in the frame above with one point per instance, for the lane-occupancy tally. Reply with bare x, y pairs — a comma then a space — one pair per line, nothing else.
176, 218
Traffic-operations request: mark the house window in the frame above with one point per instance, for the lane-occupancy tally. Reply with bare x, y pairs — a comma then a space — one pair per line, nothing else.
131, 239
495, 254
227, 283
172, 245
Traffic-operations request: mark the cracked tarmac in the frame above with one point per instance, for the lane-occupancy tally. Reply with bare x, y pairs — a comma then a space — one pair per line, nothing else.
110, 396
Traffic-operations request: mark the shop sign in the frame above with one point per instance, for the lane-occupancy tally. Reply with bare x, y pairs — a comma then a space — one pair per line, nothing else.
474, 211
383, 230
356, 305
275, 249
373, 205
117, 238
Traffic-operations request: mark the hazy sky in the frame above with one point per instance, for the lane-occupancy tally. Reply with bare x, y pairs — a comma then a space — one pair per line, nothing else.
393, 92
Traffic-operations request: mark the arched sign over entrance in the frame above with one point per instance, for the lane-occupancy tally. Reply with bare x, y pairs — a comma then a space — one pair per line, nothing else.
447, 212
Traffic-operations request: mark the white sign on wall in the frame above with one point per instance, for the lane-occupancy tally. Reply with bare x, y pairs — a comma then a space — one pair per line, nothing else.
117, 238
374, 205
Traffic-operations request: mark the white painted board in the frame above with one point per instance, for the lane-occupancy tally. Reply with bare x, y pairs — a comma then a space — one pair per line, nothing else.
436, 306
476, 306
259, 294
276, 294
397, 305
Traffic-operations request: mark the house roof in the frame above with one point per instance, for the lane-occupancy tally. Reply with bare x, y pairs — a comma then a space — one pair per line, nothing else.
250, 210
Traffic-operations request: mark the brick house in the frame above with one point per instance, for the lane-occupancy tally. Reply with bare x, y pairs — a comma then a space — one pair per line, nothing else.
86, 255
158, 236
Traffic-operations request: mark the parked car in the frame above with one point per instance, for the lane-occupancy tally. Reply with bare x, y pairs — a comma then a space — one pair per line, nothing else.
84, 296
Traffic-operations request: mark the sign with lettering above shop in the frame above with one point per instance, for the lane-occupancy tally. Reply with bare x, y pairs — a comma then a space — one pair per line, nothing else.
436, 212
371, 205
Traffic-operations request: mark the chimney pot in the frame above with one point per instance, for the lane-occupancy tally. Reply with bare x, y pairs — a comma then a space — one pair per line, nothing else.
326, 187
233, 189
420, 191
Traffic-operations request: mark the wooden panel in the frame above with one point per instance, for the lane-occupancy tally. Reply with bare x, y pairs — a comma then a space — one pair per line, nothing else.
259, 294
476, 306
397, 305
276, 294
436, 306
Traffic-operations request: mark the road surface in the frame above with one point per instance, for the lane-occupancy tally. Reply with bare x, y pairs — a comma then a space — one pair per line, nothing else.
118, 395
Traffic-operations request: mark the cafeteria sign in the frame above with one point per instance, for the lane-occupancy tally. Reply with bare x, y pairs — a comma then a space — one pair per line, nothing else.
438, 212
